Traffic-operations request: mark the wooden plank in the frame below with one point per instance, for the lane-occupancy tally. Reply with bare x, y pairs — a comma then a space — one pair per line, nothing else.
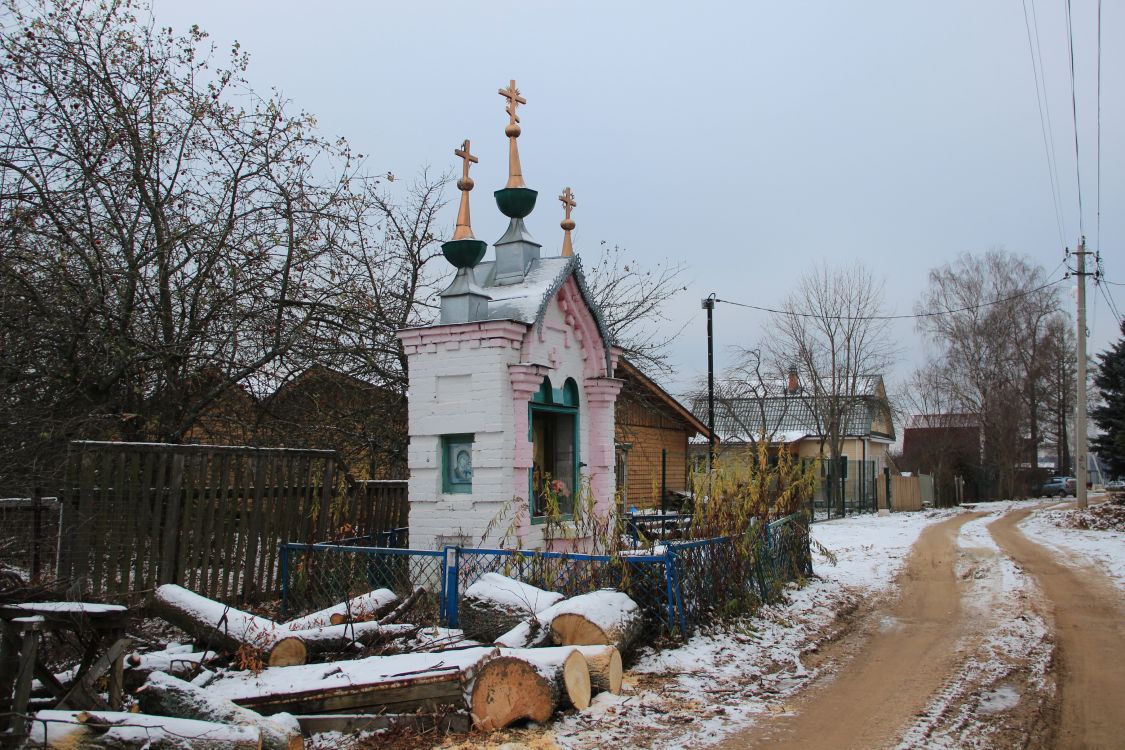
254, 527
230, 546
124, 520
189, 512
206, 548
9, 669
172, 448
221, 524
85, 691
268, 547
406, 695
143, 518
308, 530
99, 521
302, 528
326, 490
155, 549
280, 507
67, 559
29, 656
245, 499
170, 529
442, 723
194, 521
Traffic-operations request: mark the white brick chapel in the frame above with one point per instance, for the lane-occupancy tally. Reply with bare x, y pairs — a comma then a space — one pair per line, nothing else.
512, 388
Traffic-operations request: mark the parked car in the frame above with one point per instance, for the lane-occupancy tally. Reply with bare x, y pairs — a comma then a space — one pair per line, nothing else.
1057, 487
1117, 485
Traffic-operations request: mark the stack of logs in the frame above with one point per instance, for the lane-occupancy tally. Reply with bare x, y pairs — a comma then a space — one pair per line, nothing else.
525, 654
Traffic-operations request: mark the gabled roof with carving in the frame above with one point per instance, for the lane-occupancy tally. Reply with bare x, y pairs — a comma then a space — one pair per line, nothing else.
526, 301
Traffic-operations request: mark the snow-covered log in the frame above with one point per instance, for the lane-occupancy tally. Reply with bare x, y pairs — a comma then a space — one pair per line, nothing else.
495, 604
527, 684
604, 617
298, 646
605, 665
117, 730
369, 606
392, 684
214, 624
164, 695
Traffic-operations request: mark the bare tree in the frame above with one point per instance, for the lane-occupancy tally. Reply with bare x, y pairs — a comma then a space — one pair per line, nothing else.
167, 235
830, 330
631, 296
991, 315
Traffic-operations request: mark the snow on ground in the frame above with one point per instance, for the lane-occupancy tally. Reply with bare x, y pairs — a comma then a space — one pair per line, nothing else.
1009, 643
870, 550
1103, 548
718, 682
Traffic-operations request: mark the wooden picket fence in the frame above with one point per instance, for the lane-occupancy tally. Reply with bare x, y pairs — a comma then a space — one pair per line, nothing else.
211, 518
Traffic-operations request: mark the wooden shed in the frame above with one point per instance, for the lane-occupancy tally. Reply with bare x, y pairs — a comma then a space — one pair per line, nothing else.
652, 434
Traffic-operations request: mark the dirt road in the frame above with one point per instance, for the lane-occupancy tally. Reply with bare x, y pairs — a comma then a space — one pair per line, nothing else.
896, 670
1090, 632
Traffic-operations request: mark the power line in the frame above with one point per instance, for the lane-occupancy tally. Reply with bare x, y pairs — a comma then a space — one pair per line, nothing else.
896, 317
1109, 301
1044, 126
1074, 114
1098, 232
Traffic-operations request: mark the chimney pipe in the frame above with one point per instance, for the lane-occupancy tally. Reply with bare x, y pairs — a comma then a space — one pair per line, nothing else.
792, 379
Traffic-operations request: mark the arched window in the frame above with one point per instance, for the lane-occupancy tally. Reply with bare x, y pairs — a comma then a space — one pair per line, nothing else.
554, 439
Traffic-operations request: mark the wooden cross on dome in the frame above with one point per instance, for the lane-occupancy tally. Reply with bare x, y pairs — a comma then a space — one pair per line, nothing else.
466, 158
567, 223
464, 229
512, 94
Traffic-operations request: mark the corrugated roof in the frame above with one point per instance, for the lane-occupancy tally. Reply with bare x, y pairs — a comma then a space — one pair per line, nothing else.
784, 418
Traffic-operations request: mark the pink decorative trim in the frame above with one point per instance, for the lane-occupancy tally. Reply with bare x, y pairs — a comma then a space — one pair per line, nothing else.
489, 333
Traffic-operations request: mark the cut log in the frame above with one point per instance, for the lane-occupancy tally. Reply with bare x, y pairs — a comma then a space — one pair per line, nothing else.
495, 604
390, 684
298, 646
605, 668
600, 618
214, 624
369, 606
527, 684
116, 730
164, 695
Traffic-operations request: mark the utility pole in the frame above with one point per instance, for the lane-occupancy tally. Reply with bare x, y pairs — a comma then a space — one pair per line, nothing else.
709, 305
1080, 416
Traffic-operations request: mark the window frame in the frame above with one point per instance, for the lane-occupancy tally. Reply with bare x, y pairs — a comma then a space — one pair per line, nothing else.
544, 401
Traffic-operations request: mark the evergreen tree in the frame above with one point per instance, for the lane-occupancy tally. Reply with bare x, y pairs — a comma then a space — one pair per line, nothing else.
1109, 415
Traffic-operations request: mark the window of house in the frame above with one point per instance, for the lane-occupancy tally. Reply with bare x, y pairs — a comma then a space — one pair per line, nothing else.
554, 439
457, 463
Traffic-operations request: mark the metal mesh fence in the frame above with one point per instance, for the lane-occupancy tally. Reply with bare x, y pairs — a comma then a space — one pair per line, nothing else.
315, 576
680, 585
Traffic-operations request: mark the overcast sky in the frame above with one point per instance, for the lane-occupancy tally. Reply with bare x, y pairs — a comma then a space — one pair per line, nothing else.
750, 140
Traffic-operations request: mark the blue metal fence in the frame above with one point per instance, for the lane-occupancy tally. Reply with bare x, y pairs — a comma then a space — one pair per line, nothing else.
681, 584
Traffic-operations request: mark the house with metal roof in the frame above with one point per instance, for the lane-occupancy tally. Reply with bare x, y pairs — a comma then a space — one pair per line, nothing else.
788, 416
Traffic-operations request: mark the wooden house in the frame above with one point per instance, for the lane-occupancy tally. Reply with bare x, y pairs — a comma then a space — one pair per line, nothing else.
652, 434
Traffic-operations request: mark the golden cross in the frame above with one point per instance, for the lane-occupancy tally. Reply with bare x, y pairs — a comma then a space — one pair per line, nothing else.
466, 158
568, 201
512, 94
